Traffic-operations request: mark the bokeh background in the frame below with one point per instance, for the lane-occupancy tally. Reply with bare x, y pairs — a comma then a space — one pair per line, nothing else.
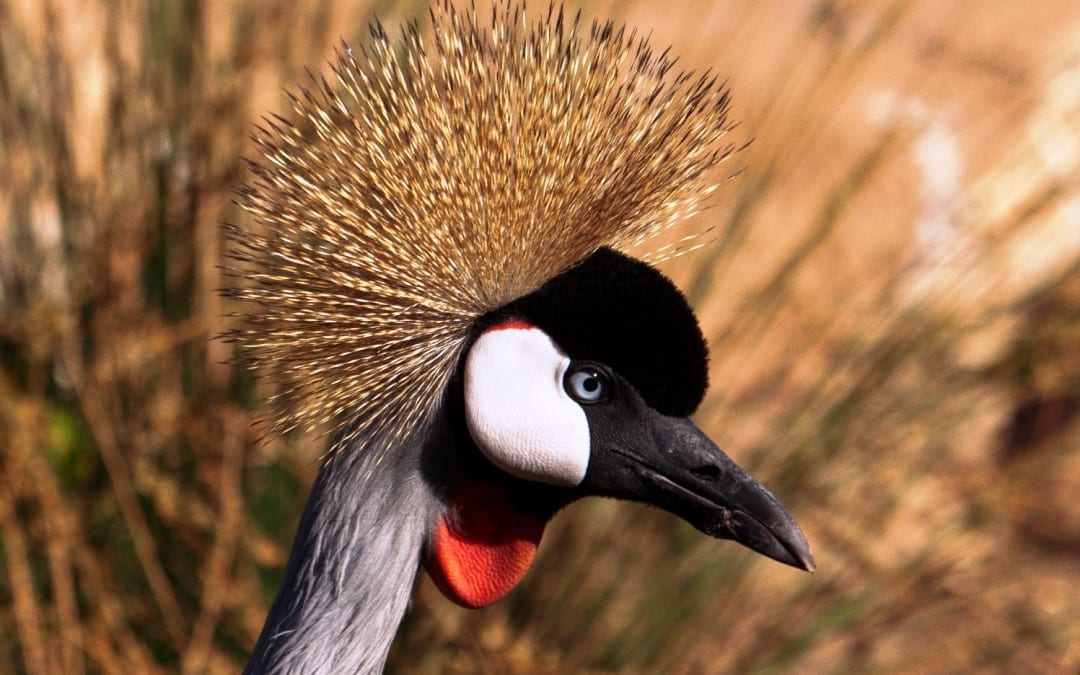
890, 288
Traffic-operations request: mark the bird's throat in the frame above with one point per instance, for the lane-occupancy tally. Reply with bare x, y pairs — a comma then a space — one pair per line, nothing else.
482, 546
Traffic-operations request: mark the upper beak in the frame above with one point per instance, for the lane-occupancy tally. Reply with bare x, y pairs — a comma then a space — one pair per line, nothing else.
683, 472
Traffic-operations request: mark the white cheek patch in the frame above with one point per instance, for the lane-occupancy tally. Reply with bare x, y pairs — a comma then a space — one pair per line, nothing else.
517, 410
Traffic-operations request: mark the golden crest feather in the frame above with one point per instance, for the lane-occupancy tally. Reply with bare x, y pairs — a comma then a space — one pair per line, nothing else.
441, 177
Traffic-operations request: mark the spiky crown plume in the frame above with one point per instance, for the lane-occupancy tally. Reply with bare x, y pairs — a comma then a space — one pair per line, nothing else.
440, 178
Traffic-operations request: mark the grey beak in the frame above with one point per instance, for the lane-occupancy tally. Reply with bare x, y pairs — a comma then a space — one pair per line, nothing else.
674, 466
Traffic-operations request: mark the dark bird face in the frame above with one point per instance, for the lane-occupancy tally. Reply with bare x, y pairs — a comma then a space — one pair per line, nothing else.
583, 389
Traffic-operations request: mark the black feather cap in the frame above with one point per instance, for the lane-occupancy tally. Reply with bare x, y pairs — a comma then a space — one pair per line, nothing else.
627, 315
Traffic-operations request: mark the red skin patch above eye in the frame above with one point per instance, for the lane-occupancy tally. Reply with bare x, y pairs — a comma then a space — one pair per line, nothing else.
512, 324
483, 547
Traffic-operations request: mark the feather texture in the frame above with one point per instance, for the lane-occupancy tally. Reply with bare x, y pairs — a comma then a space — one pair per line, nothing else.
441, 176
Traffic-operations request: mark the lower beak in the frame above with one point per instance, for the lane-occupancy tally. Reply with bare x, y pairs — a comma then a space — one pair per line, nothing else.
692, 478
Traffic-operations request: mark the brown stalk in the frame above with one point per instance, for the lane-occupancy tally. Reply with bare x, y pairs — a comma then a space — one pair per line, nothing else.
216, 577
101, 425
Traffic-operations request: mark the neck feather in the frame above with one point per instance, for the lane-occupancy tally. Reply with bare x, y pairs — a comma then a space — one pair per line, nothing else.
352, 566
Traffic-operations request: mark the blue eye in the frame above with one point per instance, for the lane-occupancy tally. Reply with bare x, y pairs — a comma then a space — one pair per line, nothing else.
587, 385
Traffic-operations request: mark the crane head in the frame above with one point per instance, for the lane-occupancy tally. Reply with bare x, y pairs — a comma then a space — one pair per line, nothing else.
433, 236
584, 388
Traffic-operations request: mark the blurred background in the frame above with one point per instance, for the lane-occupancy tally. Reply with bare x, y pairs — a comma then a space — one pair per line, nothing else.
890, 290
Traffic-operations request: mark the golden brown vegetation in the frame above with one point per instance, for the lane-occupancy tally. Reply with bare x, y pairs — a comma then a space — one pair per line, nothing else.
892, 299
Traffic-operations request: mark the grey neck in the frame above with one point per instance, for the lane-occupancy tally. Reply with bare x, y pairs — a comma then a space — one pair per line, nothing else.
352, 566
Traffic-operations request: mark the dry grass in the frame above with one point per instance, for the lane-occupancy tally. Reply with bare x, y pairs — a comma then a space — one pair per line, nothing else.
892, 297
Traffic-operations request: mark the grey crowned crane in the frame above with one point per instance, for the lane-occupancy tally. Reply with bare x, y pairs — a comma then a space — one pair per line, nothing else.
433, 270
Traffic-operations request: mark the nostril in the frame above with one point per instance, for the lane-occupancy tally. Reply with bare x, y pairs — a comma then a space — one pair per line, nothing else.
706, 471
